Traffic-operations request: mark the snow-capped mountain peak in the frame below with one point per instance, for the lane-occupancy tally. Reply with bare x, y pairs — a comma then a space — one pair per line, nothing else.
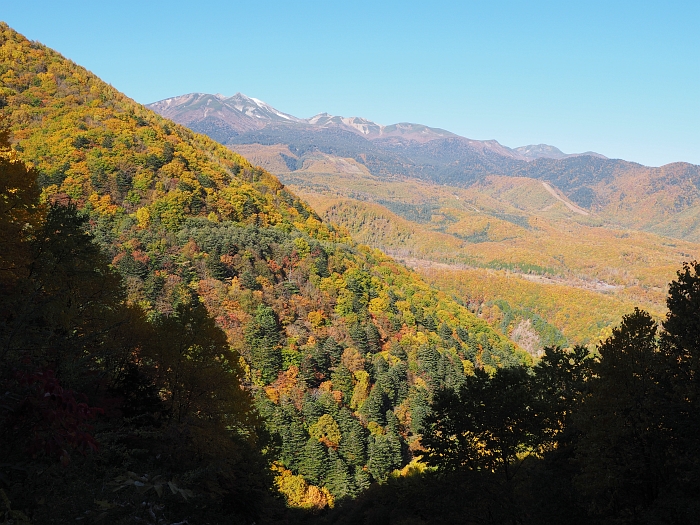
256, 108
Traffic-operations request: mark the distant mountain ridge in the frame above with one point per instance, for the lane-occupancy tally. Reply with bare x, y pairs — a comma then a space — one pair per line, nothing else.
662, 200
545, 151
231, 117
226, 118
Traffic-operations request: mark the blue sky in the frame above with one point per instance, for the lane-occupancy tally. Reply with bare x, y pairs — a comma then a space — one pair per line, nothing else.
618, 77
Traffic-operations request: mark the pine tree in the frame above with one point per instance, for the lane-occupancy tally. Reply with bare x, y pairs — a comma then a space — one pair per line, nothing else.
294, 437
397, 377
362, 480
342, 380
314, 462
430, 323
420, 408
338, 479
379, 367
394, 437
445, 333
311, 409
429, 363
374, 338
453, 370
353, 445
375, 407
382, 456
307, 370
263, 338
334, 351
359, 336
321, 361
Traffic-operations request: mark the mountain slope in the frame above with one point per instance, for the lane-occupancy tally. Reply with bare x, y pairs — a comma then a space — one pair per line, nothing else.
341, 347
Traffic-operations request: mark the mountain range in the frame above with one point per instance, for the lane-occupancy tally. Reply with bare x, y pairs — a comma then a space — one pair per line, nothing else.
620, 193
229, 119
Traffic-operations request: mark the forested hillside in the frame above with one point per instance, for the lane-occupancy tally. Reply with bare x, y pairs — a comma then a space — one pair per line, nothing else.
509, 248
150, 274
576, 439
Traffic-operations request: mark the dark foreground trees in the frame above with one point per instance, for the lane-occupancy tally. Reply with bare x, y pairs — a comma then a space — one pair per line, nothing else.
104, 415
576, 439
493, 423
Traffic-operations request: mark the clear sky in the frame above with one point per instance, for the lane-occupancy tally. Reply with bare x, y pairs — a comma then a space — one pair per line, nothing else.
618, 77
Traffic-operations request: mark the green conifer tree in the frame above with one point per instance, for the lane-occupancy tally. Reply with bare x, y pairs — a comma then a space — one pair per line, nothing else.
311, 409
338, 479
334, 351
263, 338
294, 437
374, 338
342, 380
382, 456
362, 480
314, 462
394, 437
353, 445
375, 407
419, 401
359, 336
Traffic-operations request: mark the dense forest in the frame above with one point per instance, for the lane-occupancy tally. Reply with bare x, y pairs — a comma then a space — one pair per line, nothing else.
198, 274
578, 438
182, 340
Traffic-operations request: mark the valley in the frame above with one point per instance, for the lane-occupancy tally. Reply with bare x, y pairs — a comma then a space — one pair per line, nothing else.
514, 226
612, 230
228, 340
